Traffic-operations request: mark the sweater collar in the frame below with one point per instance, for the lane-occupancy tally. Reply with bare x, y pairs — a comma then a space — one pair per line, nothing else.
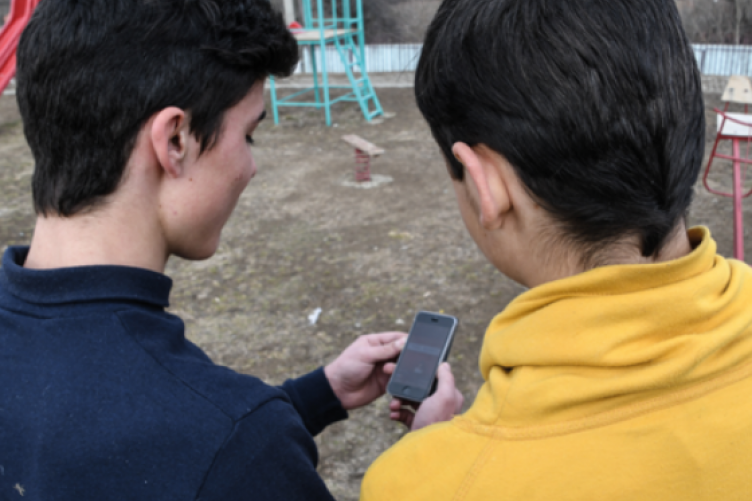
613, 335
82, 284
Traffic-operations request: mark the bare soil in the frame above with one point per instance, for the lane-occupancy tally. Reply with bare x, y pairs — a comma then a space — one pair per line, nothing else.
369, 258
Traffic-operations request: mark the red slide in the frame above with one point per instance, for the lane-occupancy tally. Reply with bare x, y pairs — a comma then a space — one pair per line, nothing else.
20, 13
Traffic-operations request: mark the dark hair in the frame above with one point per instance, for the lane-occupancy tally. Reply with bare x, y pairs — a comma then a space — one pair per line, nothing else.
90, 74
597, 104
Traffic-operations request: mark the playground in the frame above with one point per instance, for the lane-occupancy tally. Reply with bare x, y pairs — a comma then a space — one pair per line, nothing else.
305, 236
315, 256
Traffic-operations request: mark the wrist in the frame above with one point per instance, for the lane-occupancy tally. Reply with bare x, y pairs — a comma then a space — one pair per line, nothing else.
329, 373
312, 397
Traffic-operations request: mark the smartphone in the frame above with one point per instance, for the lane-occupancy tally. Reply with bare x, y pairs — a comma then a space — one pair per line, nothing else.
427, 345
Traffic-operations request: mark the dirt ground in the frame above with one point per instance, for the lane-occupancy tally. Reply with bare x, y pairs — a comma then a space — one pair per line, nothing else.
302, 239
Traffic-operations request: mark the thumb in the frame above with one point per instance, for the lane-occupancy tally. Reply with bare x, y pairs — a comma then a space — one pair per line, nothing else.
383, 352
445, 380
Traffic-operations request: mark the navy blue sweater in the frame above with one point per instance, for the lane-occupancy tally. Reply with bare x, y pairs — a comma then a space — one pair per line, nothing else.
102, 397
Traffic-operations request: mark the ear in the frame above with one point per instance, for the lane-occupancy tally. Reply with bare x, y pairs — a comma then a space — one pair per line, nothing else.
169, 137
485, 184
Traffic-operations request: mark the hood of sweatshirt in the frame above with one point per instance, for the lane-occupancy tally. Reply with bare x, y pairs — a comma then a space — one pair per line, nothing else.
617, 341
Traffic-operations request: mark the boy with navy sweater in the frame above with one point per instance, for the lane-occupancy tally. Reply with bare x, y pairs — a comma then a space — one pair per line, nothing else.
140, 116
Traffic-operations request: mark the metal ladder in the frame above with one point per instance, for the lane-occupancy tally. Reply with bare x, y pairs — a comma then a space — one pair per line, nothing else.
340, 26
351, 56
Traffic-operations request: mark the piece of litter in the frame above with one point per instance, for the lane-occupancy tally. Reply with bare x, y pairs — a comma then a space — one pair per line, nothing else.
426, 294
400, 235
314, 316
400, 322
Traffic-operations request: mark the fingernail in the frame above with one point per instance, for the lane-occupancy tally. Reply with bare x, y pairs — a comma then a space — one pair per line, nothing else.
399, 344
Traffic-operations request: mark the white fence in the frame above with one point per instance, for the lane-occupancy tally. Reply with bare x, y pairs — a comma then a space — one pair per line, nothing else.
379, 59
722, 60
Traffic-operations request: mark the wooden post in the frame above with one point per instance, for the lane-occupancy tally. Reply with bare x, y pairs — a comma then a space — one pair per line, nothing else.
364, 152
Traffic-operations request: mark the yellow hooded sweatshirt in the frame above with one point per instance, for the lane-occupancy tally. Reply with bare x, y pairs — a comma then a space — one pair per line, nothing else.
621, 383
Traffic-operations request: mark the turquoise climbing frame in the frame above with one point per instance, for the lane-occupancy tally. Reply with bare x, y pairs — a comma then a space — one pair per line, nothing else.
342, 28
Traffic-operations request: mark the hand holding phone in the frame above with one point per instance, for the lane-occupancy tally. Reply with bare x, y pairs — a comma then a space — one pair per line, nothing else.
360, 373
441, 406
427, 345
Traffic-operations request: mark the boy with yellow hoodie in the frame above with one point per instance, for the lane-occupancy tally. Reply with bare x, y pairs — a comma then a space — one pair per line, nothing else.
573, 132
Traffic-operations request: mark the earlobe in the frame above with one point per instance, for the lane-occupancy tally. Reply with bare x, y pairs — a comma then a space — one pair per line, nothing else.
170, 139
485, 184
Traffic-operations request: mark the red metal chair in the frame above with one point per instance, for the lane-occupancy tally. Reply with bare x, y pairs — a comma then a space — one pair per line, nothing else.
18, 18
737, 128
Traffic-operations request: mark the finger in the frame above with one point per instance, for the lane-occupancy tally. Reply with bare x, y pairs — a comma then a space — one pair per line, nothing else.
385, 337
397, 404
407, 404
445, 380
403, 417
458, 401
382, 352
399, 415
409, 421
389, 367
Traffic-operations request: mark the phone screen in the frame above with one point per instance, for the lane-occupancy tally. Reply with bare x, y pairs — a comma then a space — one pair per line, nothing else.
425, 349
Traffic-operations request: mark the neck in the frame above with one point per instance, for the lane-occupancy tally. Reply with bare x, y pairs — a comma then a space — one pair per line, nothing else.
569, 262
104, 236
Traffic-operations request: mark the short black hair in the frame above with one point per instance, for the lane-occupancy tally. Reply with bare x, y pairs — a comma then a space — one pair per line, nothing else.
597, 104
90, 74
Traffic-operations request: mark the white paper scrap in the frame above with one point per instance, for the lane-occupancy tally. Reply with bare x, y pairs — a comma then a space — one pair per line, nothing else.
314, 316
